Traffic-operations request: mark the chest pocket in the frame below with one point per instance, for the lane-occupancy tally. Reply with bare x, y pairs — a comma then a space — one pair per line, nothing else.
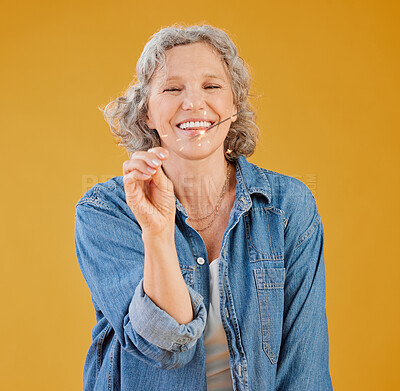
265, 234
270, 283
188, 274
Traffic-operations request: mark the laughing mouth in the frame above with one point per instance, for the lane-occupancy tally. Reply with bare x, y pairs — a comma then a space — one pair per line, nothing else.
195, 125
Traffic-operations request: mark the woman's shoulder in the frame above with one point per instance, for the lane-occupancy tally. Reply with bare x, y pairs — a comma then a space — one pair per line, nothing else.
278, 187
283, 185
107, 195
281, 193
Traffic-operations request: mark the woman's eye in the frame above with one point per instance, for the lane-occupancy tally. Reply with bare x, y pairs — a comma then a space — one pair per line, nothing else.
212, 87
171, 89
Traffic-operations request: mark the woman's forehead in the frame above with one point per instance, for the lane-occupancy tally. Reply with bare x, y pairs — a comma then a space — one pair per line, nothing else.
196, 58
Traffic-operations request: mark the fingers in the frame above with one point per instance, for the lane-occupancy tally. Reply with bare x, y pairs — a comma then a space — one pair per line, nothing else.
135, 175
145, 163
159, 178
138, 168
161, 152
147, 188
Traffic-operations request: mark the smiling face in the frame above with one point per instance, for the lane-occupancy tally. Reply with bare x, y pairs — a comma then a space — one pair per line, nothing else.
190, 94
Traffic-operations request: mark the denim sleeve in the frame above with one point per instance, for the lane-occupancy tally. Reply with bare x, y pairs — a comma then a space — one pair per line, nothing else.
165, 332
304, 355
110, 253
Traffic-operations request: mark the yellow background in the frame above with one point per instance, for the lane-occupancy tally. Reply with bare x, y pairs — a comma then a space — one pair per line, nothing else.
327, 85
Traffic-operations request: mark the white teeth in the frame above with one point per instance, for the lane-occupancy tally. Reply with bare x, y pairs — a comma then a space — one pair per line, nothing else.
196, 124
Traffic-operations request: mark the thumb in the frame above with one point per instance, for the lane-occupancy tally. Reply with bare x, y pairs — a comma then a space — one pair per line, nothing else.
162, 182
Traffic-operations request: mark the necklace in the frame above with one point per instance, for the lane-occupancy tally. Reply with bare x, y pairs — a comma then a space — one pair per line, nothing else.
216, 209
219, 200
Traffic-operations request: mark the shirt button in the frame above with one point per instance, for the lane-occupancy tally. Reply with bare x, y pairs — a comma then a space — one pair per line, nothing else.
200, 261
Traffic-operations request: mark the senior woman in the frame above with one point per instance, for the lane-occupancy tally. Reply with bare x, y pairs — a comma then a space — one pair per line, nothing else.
205, 271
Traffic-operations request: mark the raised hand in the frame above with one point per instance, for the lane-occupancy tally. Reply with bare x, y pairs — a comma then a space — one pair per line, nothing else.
149, 192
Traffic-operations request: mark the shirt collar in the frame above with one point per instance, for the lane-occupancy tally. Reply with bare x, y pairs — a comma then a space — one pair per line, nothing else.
250, 179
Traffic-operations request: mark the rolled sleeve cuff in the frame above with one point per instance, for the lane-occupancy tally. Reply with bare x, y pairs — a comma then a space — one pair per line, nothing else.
161, 329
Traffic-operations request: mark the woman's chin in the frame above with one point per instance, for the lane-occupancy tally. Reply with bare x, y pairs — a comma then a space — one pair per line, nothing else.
193, 149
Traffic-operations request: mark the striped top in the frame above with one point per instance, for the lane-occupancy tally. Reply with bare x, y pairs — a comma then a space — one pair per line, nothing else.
216, 347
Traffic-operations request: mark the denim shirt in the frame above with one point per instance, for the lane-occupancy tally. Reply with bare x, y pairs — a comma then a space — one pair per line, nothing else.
271, 282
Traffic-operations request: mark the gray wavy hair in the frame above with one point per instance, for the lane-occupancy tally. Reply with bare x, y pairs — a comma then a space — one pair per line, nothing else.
126, 115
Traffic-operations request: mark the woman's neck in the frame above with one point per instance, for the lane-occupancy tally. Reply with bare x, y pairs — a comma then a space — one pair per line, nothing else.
198, 183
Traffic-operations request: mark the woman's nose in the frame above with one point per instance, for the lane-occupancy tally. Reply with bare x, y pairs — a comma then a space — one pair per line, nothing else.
193, 100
